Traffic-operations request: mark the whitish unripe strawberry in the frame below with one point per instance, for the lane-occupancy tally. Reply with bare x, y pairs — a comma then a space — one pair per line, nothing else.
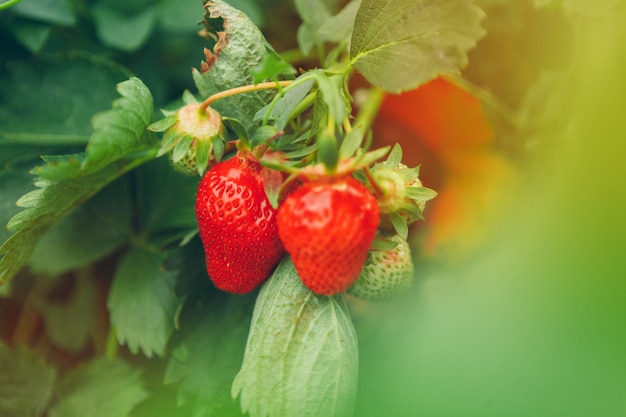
388, 273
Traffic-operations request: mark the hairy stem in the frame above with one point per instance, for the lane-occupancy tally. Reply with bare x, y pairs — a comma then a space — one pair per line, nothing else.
243, 89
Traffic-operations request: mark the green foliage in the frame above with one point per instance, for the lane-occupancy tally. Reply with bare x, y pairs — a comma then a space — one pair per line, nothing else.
208, 354
302, 354
240, 48
26, 382
94, 230
44, 103
101, 388
77, 309
66, 182
142, 302
400, 44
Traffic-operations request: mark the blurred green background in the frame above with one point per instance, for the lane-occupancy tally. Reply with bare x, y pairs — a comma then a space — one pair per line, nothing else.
535, 324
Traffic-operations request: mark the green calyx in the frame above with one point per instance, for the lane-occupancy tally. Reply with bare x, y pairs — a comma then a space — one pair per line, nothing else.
399, 192
193, 138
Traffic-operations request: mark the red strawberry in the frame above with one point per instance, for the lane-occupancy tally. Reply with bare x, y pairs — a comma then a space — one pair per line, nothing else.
237, 225
327, 226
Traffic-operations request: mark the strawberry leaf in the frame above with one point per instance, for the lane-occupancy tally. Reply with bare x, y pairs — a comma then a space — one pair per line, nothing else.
301, 357
339, 27
26, 382
142, 302
102, 388
77, 309
241, 48
400, 44
65, 182
313, 13
121, 130
51, 102
119, 30
93, 231
208, 354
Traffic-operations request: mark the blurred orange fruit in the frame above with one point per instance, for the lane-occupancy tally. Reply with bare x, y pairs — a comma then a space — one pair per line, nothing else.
442, 127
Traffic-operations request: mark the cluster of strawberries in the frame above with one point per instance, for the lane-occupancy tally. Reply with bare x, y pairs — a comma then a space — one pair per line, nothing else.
344, 230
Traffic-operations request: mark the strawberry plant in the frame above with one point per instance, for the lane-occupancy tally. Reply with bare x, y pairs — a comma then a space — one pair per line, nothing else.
213, 241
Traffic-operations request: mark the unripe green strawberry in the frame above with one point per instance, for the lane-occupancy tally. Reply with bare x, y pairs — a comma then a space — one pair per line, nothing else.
399, 192
192, 138
327, 226
388, 273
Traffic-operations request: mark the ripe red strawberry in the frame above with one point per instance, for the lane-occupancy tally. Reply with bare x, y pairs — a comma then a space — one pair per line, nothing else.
327, 226
237, 225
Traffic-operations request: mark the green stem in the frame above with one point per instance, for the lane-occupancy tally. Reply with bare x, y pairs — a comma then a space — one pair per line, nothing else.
303, 105
243, 89
369, 110
8, 4
112, 347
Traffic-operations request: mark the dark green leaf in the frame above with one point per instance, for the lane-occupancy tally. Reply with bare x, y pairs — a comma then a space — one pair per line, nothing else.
101, 388
122, 129
69, 324
302, 355
26, 383
264, 134
46, 206
93, 231
209, 354
286, 104
178, 16
52, 102
242, 47
33, 35
121, 31
58, 12
165, 198
142, 302
64, 184
13, 184
272, 67
399, 44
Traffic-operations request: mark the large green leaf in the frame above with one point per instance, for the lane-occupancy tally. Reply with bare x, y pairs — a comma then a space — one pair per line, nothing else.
26, 383
302, 355
242, 47
93, 231
142, 302
121, 31
77, 309
101, 388
165, 198
209, 352
400, 44
51, 102
58, 12
66, 182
